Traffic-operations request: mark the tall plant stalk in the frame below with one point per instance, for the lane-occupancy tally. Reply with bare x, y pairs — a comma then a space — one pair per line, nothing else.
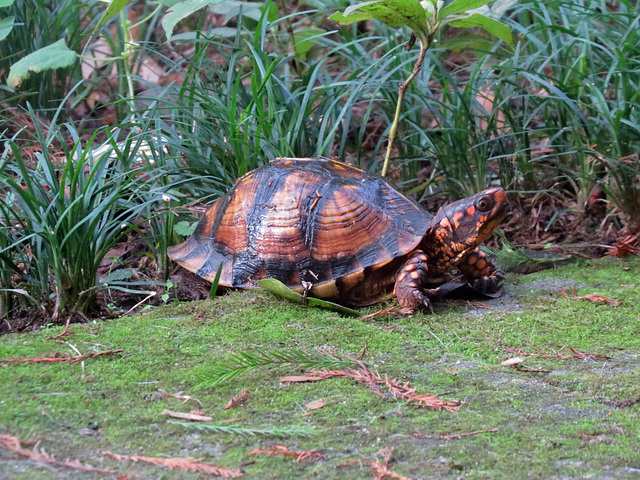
393, 131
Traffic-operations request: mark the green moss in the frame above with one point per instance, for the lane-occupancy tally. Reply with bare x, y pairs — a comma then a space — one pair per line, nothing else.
555, 424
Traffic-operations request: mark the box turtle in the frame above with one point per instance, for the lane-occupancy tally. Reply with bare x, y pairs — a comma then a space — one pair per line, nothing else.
339, 233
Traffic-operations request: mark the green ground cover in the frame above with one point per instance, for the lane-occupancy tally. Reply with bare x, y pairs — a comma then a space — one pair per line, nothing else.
560, 424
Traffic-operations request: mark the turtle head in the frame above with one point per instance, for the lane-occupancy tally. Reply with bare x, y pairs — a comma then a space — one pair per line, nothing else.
461, 226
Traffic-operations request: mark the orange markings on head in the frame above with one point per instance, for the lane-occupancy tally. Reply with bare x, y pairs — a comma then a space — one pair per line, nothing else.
445, 222
456, 218
471, 210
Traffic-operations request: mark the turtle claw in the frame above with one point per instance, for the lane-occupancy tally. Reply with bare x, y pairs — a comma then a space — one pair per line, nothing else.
488, 285
416, 300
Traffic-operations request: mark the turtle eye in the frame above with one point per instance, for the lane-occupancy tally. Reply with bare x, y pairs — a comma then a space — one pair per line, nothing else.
485, 203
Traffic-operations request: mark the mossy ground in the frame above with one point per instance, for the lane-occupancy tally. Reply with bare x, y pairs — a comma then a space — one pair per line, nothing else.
550, 425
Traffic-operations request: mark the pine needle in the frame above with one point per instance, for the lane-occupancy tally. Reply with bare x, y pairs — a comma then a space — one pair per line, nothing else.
243, 362
277, 432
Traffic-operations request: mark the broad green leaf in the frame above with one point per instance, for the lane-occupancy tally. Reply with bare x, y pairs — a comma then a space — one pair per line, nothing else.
182, 10
395, 13
399, 13
185, 228
492, 26
231, 8
280, 289
460, 6
351, 18
114, 7
51, 57
352, 8
6, 24
6, 3
305, 39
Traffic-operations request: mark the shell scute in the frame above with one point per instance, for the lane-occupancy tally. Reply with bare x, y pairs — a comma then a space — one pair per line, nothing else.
312, 220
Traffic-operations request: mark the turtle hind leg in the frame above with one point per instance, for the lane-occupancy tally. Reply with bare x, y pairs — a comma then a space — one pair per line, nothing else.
410, 282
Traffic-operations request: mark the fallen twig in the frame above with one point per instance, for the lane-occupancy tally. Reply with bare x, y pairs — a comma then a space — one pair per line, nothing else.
454, 436
179, 396
284, 451
63, 333
187, 416
58, 357
41, 456
592, 297
185, 463
381, 469
384, 311
237, 400
372, 379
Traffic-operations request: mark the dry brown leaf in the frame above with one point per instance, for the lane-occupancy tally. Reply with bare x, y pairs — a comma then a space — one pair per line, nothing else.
315, 405
624, 247
185, 463
237, 400
592, 297
381, 469
187, 416
384, 472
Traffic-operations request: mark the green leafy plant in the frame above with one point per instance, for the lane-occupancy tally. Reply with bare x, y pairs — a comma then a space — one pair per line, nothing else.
62, 215
425, 19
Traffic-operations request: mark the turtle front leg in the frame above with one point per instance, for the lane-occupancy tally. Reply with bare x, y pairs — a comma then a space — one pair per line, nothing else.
409, 288
481, 273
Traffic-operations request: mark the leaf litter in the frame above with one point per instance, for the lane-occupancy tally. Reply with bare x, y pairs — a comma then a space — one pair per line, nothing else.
373, 380
189, 464
311, 455
39, 455
237, 400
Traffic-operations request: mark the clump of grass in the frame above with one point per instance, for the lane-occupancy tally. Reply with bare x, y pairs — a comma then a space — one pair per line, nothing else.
63, 212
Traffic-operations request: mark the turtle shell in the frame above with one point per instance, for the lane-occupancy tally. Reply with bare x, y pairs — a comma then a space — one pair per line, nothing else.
311, 220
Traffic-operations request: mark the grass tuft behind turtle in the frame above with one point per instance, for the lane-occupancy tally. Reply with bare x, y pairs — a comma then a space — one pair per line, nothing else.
339, 233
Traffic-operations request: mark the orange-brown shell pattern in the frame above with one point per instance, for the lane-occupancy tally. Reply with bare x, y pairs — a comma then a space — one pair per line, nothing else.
311, 220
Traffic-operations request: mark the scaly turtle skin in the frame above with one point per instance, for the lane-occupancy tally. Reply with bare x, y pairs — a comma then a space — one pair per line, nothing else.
341, 234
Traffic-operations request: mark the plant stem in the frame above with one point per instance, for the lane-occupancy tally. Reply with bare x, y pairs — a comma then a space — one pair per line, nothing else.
297, 66
424, 46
